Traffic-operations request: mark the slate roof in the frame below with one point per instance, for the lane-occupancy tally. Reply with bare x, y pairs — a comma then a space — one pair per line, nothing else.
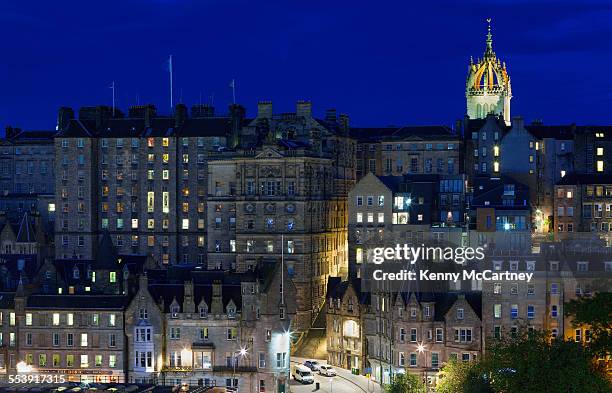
159, 127
25, 232
395, 183
491, 189
7, 300
561, 132
73, 302
336, 289
392, 133
585, 178
201, 291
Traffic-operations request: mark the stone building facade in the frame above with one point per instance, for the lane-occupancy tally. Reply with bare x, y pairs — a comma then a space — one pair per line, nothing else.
395, 151
418, 332
216, 329
583, 207
283, 192
79, 337
27, 162
141, 177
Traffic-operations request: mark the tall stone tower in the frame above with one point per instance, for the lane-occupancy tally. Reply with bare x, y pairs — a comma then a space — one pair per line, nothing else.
488, 88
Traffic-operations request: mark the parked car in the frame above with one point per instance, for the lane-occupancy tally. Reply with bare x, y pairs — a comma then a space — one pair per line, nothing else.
302, 374
327, 370
312, 364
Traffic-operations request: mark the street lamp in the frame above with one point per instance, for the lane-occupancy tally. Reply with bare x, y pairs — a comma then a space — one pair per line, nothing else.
242, 353
421, 349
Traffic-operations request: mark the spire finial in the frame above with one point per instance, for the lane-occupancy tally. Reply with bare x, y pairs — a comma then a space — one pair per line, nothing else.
489, 50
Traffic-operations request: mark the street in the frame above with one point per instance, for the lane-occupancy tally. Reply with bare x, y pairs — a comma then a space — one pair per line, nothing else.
344, 382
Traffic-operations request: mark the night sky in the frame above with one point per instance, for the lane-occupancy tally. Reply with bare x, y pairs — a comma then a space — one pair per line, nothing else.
382, 62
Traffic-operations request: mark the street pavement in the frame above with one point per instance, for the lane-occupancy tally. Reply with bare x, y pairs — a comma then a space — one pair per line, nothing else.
344, 382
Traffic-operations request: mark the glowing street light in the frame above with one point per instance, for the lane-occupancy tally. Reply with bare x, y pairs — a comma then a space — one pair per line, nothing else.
420, 348
23, 367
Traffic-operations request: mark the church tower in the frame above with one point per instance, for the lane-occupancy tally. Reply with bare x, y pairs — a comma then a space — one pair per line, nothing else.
488, 88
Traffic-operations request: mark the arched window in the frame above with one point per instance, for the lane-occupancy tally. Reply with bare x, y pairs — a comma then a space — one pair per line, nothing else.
351, 328
478, 110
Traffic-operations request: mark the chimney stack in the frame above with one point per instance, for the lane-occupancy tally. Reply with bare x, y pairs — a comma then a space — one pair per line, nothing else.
518, 122
64, 115
344, 123
202, 110
264, 109
304, 109
216, 306
11, 132
331, 116
180, 115
188, 300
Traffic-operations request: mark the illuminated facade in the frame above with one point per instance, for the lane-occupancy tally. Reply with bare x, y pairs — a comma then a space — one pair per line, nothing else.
488, 88
213, 329
283, 193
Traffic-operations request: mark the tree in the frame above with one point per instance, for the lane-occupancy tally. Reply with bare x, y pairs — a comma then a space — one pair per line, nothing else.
532, 363
596, 312
406, 383
466, 377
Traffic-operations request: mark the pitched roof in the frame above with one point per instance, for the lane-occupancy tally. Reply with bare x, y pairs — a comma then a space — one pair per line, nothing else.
26, 233
561, 132
106, 257
73, 302
585, 178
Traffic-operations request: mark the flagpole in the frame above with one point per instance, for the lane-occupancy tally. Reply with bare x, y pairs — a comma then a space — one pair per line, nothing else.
113, 89
283, 269
170, 68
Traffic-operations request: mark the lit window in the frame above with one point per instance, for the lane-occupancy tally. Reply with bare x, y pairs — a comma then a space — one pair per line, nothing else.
185, 223
496, 151
359, 217
600, 151
495, 166
600, 166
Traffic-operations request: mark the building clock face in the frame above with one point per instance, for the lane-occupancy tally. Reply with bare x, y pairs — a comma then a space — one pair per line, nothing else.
249, 208
270, 208
290, 208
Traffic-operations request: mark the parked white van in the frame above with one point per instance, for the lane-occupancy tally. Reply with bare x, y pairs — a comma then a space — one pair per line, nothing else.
302, 374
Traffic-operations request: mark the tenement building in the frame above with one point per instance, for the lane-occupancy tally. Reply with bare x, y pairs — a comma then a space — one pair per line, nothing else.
418, 332
411, 209
141, 177
27, 162
282, 194
206, 328
583, 207
395, 151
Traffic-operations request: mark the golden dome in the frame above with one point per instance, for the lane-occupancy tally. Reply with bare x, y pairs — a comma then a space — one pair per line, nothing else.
488, 73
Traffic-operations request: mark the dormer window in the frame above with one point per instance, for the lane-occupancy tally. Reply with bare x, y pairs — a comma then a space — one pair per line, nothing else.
231, 312
460, 313
143, 314
76, 273
203, 312
174, 311
413, 312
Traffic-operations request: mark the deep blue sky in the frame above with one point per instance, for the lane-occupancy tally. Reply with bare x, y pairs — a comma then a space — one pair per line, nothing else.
382, 62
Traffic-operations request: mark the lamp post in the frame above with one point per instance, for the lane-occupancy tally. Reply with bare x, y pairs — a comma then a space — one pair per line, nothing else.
422, 349
242, 353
